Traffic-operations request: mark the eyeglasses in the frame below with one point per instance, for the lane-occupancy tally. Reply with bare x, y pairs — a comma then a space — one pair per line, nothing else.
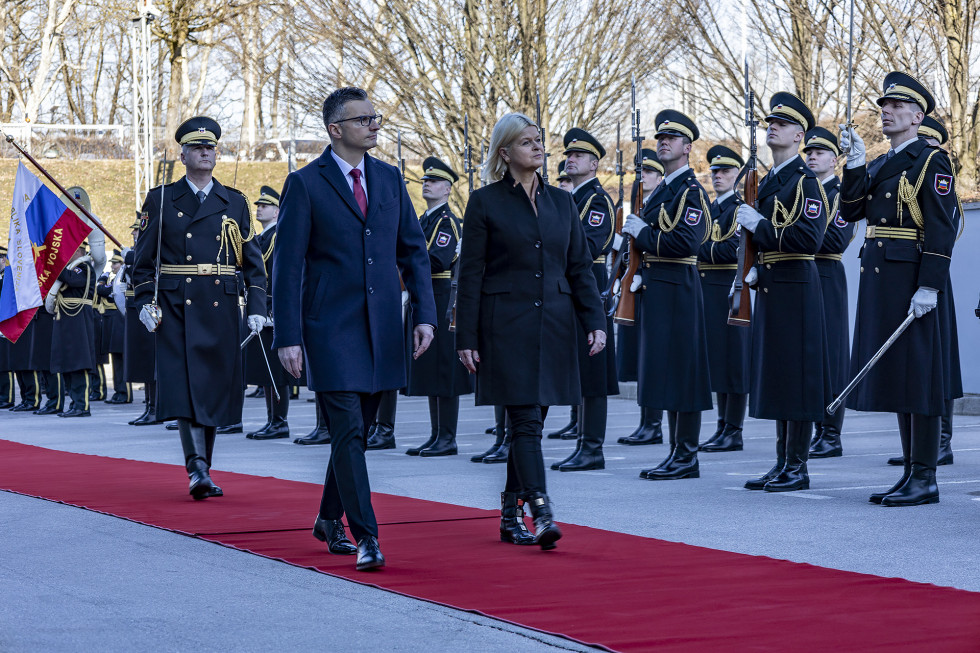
364, 121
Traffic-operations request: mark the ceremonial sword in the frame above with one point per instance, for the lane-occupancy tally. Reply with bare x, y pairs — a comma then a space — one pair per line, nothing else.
265, 356
836, 403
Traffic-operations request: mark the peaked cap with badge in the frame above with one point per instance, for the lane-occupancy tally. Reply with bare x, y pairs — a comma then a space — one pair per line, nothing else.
820, 138
932, 128
786, 106
579, 140
433, 168
562, 175
199, 130
904, 87
268, 195
650, 161
675, 123
720, 157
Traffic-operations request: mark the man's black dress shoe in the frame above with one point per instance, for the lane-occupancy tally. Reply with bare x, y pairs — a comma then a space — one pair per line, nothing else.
171, 426
23, 407
6, 404
319, 436
46, 410
149, 418
119, 398
332, 532
231, 428
369, 554
75, 412
278, 429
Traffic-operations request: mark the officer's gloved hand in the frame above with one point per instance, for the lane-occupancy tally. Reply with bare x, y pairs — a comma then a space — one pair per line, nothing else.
634, 225
851, 143
923, 301
150, 317
636, 282
256, 322
752, 278
748, 217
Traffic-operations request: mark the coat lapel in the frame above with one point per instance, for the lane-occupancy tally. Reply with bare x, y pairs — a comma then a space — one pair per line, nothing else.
373, 172
183, 200
899, 162
331, 172
216, 202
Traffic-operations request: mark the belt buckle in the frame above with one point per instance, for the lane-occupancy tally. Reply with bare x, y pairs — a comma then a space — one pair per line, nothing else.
204, 269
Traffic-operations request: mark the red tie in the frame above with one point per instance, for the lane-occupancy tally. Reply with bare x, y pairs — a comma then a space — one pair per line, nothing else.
359, 195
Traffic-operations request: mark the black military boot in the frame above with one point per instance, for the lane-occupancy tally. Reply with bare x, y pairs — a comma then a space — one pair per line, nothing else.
683, 463
149, 417
502, 452
731, 435
445, 444
817, 434
319, 435
827, 443
268, 416
499, 431
905, 435
920, 488
793, 475
194, 443
592, 424
434, 433
546, 531
946, 436
722, 401
578, 447
650, 431
760, 483
512, 528
279, 426
672, 440
570, 429
383, 437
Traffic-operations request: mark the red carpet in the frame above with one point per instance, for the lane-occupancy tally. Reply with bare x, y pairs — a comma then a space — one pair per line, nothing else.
603, 588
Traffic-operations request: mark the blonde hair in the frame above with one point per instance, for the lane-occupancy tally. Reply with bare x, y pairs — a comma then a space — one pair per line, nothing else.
504, 133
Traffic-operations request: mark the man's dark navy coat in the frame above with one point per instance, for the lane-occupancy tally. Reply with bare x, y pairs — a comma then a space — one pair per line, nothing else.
335, 277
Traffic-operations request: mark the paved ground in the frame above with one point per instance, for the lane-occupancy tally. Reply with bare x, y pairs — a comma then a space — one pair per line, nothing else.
87, 581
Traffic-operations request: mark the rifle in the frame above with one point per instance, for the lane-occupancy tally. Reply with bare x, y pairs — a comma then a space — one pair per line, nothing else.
740, 313
626, 309
469, 170
401, 161
544, 142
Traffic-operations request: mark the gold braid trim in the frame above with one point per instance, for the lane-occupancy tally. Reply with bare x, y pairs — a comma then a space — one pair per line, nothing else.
666, 224
781, 218
272, 245
706, 208
72, 306
612, 217
833, 211
435, 232
959, 205
907, 194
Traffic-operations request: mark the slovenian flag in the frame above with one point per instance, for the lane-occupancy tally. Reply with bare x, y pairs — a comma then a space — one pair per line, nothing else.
44, 234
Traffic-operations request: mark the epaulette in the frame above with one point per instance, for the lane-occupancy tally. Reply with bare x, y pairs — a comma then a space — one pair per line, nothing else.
235, 190
808, 173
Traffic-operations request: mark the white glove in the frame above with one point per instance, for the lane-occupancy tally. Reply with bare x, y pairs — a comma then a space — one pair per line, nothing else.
636, 282
257, 322
617, 242
150, 317
634, 225
459, 247
748, 217
851, 143
923, 301
752, 277
617, 284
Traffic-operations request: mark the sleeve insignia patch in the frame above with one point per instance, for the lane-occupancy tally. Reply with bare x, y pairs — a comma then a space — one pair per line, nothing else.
442, 239
839, 221
812, 208
693, 216
144, 219
596, 218
944, 183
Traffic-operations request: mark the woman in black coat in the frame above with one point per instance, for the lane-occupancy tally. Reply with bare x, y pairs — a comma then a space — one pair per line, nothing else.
525, 286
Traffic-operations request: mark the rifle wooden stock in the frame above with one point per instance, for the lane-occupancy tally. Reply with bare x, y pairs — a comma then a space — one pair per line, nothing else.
740, 313
626, 309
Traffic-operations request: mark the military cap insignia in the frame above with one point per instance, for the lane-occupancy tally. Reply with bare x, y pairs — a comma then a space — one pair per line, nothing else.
943, 184
596, 218
839, 221
812, 207
442, 239
144, 219
693, 216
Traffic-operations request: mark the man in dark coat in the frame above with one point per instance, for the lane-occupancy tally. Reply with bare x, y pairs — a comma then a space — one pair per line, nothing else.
207, 236
256, 369
346, 230
908, 199
729, 346
597, 214
673, 363
790, 375
73, 336
114, 332
822, 151
438, 373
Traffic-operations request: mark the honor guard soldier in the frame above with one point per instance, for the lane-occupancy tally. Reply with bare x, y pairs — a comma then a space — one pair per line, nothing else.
790, 380
650, 429
597, 373
822, 152
256, 370
206, 234
908, 199
438, 373
139, 359
114, 331
6, 375
673, 365
564, 181
70, 300
729, 347
42, 330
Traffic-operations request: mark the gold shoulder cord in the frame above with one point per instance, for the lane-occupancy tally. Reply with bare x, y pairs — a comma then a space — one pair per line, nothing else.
666, 224
833, 210
435, 231
907, 194
612, 217
267, 254
781, 218
231, 234
72, 306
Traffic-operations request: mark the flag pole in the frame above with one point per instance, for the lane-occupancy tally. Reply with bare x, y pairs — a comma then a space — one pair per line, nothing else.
78, 205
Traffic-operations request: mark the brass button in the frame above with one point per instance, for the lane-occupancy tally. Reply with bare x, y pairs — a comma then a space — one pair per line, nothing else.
884, 221
877, 270
765, 290
646, 265
180, 214
702, 274
887, 195
224, 217
216, 304
869, 197
217, 282
768, 266
643, 287
188, 279
187, 301
189, 257
217, 237
862, 268
881, 244
188, 235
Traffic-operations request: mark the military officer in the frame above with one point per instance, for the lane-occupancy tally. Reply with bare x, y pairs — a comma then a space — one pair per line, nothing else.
256, 372
207, 236
790, 380
73, 335
673, 365
822, 152
113, 331
564, 181
597, 373
139, 360
729, 347
908, 198
650, 429
438, 373
934, 133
